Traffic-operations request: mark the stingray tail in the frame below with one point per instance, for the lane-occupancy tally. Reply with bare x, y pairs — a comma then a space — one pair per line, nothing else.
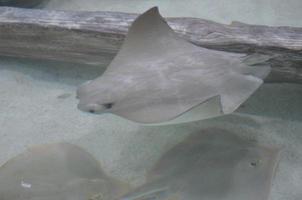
147, 192
257, 59
258, 65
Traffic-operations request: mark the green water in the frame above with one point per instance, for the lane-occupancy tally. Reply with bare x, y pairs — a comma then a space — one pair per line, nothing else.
268, 12
38, 103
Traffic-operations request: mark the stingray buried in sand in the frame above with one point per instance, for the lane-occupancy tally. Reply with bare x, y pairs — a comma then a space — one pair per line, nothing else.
158, 77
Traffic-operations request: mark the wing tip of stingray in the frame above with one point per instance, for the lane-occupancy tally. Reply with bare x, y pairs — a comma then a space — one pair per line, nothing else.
153, 10
257, 82
148, 20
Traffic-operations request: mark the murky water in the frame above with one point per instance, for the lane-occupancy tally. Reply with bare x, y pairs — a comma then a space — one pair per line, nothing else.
38, 103
268, 12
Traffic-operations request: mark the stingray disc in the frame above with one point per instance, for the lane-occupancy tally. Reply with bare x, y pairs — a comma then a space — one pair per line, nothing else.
157, 77
56, 172
212, 165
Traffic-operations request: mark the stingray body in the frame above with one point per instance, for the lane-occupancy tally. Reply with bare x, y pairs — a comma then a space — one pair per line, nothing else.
158, 77
213, 165
56, 172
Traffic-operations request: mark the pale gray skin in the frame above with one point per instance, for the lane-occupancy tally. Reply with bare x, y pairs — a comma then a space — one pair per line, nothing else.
211, 165
157, 77
56, 172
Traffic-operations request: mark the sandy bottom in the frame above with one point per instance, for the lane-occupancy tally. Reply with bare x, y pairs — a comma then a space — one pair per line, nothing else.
38, 105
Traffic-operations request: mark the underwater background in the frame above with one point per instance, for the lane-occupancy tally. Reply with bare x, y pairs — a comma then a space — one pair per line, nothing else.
38, 103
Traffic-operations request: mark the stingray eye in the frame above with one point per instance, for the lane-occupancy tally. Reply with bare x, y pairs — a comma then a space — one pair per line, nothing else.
108, 105
91, 110
255, 163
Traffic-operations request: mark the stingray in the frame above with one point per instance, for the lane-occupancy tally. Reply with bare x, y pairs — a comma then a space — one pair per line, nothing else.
212, 165
56, 171
158, 77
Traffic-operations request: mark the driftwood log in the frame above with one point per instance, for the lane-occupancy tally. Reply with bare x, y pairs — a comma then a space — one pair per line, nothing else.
94, 38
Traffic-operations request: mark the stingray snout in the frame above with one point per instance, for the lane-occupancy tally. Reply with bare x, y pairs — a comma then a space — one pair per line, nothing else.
82, 89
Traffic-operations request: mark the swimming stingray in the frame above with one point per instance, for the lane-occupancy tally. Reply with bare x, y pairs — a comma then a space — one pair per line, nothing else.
56, 172
213, 165
158, 77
